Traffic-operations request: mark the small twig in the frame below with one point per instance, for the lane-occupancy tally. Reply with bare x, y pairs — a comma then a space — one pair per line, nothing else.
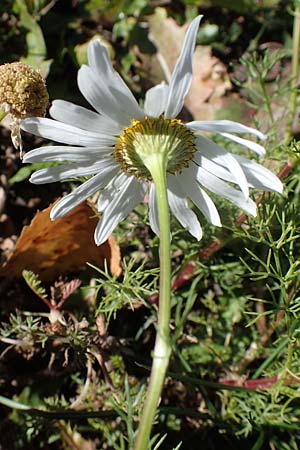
101, 363
101, 325
86, 386
91, 296
51, 361
265, 383
66, 437
273, 325
6, 350
250, 355
253, 385
47, 8
156, 3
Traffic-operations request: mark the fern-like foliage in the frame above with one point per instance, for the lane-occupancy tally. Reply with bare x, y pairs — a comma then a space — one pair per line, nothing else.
36, 286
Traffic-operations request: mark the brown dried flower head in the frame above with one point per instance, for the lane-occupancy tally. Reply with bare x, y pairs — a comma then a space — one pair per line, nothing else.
23, 94
23, 91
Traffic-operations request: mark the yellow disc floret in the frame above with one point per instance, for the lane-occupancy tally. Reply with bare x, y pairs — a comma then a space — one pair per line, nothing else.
166, 137
23, 91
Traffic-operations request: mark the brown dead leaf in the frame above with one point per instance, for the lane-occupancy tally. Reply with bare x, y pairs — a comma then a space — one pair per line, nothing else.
210, 78
53, 248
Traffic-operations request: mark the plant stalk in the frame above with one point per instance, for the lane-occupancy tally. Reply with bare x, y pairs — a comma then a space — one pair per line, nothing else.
162, 348
295, 73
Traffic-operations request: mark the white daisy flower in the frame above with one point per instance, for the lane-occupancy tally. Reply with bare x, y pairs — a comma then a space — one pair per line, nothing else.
112, 146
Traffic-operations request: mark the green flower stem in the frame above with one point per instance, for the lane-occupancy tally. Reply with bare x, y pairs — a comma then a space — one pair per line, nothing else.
162, 349
295, 73
267, 99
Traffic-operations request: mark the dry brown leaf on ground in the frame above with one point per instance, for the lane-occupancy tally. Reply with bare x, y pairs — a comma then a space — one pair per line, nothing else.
53, 248
210, 78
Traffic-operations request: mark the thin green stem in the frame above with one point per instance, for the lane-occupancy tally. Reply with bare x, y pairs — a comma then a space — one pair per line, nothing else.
162, 348
295, 73
267, 100
281, 347
291, 327
289, 360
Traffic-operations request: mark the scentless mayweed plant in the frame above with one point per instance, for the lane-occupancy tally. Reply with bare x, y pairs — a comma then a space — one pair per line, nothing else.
128, 153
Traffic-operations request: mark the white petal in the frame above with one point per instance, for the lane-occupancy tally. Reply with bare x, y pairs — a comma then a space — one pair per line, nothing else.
98, 95
153, 210
180, 209
83, 118
182, 75
199, 197
82, 192
105, 90
217, 186
66, 134
223, 126
60, 173
220, 156
156, 100
118, 203
113, 187
100, 64
214, 168
257, 148
66, 153
259, 176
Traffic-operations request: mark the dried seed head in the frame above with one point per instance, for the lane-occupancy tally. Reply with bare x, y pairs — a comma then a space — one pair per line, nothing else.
23, 91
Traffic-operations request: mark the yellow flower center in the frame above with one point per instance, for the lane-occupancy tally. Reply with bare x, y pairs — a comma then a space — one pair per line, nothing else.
166, 137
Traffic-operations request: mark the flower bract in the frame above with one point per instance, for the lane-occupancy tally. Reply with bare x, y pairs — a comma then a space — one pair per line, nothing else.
113, 143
